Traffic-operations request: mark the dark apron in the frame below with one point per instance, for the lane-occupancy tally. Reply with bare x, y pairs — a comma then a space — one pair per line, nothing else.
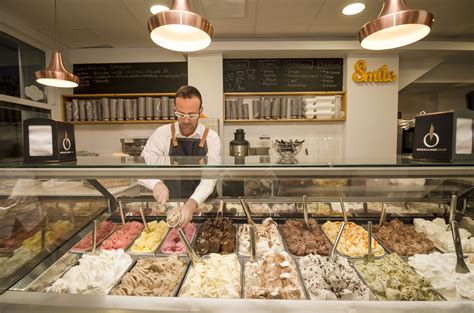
185, 147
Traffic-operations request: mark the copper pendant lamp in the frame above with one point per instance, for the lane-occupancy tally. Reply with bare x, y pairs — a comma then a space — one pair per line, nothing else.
56, 75
179, 29
396, 26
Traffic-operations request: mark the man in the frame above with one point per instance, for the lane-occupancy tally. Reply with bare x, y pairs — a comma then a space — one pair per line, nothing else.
187, 137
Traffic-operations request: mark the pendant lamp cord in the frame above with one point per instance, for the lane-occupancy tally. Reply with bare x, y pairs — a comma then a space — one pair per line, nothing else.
55, 28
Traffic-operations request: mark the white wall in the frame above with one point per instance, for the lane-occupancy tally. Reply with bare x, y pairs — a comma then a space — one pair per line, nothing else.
371, 126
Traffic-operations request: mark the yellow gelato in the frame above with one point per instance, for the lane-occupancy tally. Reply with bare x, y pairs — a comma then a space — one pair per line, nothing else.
150, 239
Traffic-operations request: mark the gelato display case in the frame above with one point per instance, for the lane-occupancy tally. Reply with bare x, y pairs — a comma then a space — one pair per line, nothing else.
73, 237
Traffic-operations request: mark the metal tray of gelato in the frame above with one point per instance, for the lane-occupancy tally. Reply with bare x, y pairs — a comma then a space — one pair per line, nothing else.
153, 276
399, 283
214, 262
150, 252
285, 270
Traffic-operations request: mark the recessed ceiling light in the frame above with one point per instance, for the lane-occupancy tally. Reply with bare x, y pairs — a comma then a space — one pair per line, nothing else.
157, 8
353, 8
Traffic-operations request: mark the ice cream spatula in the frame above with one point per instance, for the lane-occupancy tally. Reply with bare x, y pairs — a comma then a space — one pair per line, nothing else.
247, 212
336, 242
461, 266
382, 215
144, 219
253, 249
369, 257
452, 210
219, 214
122, 215
94, 237
305, 212
189, 249
343, 208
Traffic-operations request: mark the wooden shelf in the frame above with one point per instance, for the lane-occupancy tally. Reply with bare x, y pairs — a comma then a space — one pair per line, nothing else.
272, 121
122, 122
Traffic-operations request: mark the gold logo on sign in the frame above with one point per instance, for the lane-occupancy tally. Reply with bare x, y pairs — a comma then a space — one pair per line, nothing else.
382, 75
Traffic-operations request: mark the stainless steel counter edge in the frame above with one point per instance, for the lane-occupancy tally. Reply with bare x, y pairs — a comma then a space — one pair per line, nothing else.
14, 301
217, 172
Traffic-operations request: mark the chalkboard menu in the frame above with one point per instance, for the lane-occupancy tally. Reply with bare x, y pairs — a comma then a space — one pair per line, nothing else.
282, 75
130, 77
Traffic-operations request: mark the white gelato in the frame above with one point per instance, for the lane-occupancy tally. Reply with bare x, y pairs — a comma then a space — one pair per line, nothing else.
218, 276
437, 232
267, 238
439, 269
95, 274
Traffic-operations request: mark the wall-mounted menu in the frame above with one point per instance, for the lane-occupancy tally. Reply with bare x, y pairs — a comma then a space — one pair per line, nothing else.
130, 77
283, 75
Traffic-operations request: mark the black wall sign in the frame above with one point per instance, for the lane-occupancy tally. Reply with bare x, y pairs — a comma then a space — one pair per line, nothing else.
285, 75
130, 77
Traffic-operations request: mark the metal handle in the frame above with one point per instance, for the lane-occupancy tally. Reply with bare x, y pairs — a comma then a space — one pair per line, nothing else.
369, 238
452, 208
247, 212
122, 215
461, 266
220, 214
253, 250
189, 249
336, 242
173, 216
305, 212
382, 215
94, 237
343, 208
144, 219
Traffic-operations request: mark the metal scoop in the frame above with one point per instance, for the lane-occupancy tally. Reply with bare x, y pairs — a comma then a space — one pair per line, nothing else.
369, 257
247, 211
333, 254
219, 214
461, 266
382, 215
122, 215
343, 208
144, 219
452, 210
305, 213
253, 249
173, 216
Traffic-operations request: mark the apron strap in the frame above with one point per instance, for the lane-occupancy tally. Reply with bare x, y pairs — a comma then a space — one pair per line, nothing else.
173, 135
203, 138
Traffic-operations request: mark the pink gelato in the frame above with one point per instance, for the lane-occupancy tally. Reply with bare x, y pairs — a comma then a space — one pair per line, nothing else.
173, 244
104, 229
123, 236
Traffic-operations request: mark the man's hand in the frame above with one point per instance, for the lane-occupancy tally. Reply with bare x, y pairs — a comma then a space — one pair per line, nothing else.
161, 193
187, 211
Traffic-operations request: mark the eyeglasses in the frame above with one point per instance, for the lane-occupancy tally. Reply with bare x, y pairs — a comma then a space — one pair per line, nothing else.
191, 116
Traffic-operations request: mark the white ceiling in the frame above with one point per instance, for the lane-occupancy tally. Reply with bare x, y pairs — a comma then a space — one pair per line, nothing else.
122, 23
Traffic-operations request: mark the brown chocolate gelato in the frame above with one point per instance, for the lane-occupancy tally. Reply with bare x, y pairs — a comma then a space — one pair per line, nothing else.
403, 239
301, 241
214, 239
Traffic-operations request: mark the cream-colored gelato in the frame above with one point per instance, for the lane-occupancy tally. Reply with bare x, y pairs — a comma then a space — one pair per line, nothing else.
440, 270
218, 276
436, 231
267, 238
95, 274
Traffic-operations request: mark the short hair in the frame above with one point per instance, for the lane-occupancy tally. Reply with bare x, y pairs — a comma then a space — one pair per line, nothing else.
187, 92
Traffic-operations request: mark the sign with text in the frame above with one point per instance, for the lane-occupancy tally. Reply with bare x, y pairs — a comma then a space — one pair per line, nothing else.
130, 77
282, 75
382, 75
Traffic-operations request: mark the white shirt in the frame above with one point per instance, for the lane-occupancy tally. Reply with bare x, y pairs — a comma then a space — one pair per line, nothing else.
159, 145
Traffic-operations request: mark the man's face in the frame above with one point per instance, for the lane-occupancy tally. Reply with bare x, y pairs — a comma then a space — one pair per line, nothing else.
188, 106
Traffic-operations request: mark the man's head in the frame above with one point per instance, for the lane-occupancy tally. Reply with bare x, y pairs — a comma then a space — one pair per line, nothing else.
188, 106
